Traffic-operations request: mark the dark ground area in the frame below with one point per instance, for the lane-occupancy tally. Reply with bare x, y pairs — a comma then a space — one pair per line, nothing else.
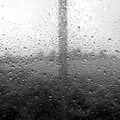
30, 88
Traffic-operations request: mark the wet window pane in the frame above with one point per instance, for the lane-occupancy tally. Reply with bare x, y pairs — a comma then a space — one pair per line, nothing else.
59, 59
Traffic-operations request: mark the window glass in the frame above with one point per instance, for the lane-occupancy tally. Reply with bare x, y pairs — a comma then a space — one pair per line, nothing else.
59, 59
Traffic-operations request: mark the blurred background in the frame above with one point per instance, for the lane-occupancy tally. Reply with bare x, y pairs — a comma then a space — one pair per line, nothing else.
29, 26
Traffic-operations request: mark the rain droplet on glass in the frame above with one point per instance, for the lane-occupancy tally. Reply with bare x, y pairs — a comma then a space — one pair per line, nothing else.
98, 69
89, 79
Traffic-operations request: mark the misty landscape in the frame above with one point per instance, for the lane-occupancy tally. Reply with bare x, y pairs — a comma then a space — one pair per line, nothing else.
59, 60
30, 87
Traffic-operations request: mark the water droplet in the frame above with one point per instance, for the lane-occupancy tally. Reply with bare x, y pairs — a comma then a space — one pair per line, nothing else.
44, 73
68, 59
119, 79
84, 35
25, 47
2, 18
78, 27
50, 97
85, 60
75, 76
92, 36
10, 78
89, 79
10, 73
104, 72
110, 39
98, 69
100, 85
73, 101
118, 51
5, 48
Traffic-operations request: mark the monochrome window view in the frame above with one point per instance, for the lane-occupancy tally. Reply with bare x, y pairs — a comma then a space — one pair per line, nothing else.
59, 60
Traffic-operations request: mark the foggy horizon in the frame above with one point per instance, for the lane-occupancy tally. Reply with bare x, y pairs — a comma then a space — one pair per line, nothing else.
30, 26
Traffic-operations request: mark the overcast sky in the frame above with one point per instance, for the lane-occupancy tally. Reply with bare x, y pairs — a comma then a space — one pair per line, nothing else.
26, 26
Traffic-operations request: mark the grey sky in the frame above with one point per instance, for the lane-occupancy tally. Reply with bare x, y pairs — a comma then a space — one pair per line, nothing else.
26, 26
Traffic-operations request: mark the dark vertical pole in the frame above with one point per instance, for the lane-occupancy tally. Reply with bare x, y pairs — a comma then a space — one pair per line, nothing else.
63, 39
63, 49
